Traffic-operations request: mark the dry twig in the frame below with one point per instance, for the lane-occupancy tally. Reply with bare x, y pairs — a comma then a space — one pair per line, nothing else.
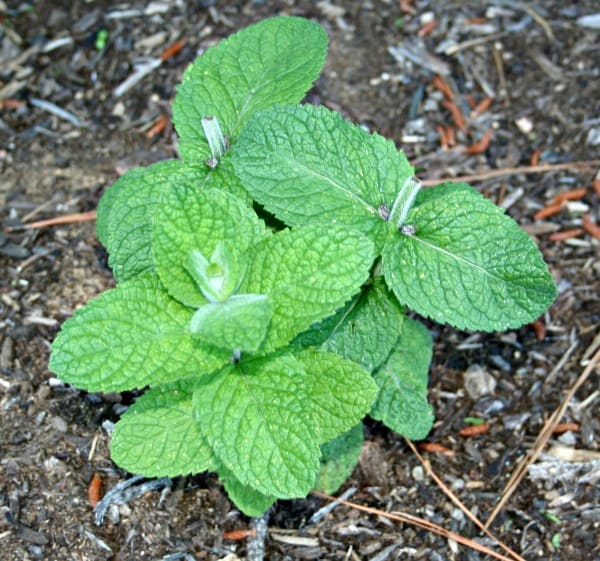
458, 503
513, 171
420, 523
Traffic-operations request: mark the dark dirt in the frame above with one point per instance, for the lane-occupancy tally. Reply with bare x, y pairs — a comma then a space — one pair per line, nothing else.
541, 72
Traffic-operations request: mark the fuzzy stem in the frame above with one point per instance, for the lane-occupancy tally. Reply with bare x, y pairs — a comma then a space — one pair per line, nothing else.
404, 201
215, 138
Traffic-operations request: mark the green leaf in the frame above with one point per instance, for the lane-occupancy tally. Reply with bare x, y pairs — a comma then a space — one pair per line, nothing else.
239, 323
402, 380
272, 62
467, 264
307, 164
339, 392
128, 337
339, 459
250, 501
218, 278
364, 331
125, 209
256, 418
158, 436
307, 273
189, 220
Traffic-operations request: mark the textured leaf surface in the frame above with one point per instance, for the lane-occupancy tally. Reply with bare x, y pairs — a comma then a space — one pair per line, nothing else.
307, 164
364, 331
307, 273
188, 220
128, 337
339, 459
272, 62
340, 392
240, 323
468, 264
158, 436
402, 401
250, 501
256, 418
125, 210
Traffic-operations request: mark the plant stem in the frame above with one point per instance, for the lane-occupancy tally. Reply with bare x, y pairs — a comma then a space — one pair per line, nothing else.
215, 138
404, 201
256, 544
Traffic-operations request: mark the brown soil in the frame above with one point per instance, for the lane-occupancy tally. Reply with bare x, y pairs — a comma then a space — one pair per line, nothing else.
539, 69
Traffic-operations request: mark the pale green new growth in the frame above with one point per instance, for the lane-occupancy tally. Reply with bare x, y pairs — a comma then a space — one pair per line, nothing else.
262, 342
188, 221
227, 324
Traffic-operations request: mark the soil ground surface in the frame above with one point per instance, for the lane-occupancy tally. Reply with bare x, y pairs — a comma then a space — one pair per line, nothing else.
535, 60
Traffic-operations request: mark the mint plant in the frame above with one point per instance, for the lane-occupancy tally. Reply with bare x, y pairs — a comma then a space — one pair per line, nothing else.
264, 281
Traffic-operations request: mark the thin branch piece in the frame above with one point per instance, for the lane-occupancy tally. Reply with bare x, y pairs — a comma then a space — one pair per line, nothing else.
458, 503
66, 219
420, 523
514, 171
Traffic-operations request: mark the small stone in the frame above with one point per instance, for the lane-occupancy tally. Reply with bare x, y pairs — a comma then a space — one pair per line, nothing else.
118, 109
59, 424
478, 382
568, 438
524, 124
418, 473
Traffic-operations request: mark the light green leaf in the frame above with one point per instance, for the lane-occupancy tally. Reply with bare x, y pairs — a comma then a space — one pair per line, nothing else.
188, 220
307, 165
218, 278
340, 392
402, 380
307, 273
158, 436
125, 209
250, 501
364, 331
467, 264
339, 459
238, 323
256, 418
272, 62
129, 337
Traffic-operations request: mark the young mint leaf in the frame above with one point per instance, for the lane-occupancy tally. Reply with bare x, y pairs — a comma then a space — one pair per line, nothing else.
188, 220
158, 436
272, 62
467, 264
250, 501
307, 164
339, 458
256, 418
239, 323
402, 380
125, 209
364, 331
129, 337
340, 392
307, 273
